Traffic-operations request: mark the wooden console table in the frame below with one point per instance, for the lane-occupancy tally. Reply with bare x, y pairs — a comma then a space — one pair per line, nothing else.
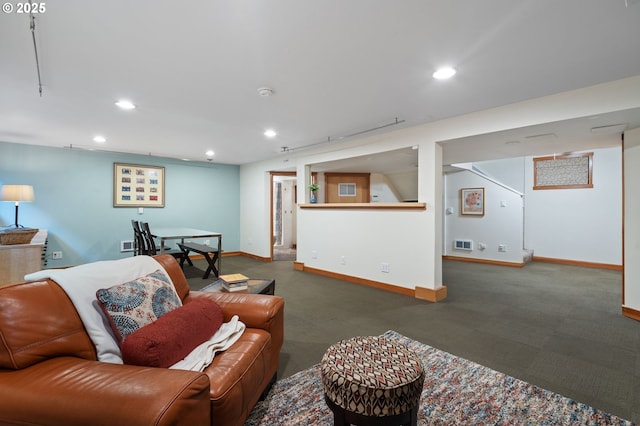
17, 260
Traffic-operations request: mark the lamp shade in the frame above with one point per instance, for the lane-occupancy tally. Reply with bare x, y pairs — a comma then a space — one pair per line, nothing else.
16, 193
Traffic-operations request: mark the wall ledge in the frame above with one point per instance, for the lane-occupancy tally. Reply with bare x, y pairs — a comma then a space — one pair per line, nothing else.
366, 206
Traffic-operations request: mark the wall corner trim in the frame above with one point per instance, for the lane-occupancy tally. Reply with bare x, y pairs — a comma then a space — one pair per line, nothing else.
631, 313
430, 294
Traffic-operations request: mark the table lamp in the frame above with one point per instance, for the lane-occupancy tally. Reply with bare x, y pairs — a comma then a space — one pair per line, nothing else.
17, 193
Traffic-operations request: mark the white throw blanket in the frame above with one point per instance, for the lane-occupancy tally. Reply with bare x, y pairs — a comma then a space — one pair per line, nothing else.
81, 283
203, 354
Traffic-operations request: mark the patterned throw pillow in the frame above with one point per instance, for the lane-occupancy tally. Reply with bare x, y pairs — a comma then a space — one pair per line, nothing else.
134, 304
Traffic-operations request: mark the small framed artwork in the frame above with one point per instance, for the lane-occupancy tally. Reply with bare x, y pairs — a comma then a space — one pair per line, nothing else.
136, 185
472, 201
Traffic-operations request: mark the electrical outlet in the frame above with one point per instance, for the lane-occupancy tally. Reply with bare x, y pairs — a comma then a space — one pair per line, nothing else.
206, 242
314, 254
385, 267
343, 260
502, 248
56, 255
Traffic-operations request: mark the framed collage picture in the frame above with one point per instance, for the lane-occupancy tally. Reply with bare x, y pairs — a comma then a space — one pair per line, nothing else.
566, 171
472, 201
136, 185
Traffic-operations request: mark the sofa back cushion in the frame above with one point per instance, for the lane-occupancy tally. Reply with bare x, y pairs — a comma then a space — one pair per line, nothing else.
173, 269
37, 322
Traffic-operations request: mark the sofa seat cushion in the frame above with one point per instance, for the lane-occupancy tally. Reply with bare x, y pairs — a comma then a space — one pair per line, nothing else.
174, 335
132, 305
68, 391
236, 373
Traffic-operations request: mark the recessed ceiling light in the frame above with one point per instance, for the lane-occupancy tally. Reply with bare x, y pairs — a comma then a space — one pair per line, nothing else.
444, 73
210, 153
99, 139
125, 104
270, 133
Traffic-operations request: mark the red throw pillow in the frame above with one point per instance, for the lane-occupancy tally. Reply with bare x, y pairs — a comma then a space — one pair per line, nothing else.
174, 335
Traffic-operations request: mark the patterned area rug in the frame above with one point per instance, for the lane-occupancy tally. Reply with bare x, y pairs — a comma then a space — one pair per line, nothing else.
456, 392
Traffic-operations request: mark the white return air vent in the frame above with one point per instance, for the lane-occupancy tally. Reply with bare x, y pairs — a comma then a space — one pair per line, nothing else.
126, 245
463, 245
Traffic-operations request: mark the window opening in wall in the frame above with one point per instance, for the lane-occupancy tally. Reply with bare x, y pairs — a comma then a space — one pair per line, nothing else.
347, 189
563, 171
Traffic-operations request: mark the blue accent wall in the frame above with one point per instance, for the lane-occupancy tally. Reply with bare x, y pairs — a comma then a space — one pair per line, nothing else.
74, 199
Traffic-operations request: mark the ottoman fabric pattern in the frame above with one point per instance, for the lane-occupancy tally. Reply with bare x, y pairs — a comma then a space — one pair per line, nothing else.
372, 376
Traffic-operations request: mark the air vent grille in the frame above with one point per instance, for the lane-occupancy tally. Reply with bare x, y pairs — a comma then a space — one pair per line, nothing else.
463, 245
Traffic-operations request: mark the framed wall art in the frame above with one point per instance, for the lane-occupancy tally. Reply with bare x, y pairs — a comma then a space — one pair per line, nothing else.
472, 201
564, 171
136, 185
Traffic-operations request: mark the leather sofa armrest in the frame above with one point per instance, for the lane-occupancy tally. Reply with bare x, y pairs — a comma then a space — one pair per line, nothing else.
255, 310
72, 391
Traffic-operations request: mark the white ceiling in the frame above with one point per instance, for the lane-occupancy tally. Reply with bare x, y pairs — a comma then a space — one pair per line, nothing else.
336, 67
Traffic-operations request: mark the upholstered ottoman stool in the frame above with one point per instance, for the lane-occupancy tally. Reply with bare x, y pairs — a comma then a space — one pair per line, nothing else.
372, 381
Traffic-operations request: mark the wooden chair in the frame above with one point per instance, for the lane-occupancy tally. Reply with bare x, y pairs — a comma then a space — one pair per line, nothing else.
139, 243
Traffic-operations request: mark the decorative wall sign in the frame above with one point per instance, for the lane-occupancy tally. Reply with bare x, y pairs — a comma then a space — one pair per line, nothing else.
563, 171
472, 201
136, 185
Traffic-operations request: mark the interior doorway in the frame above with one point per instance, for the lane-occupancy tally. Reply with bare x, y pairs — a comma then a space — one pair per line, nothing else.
283, 215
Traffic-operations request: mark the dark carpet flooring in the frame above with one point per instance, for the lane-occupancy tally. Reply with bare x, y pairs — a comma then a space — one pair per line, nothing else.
555, 326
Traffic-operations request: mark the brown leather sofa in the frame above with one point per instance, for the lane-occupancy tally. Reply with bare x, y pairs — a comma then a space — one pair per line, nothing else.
49, 373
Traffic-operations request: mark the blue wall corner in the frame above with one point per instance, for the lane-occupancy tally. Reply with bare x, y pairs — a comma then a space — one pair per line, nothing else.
74, 199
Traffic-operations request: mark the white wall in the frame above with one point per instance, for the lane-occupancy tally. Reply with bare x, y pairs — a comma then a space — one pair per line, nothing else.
567, 224
382, 190
366, 239
509, 171
499, 225
406, 184
255, 204
632, 219
578, 224
421, 231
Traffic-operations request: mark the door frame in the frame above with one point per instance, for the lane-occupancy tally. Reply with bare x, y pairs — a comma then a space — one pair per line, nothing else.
272, 174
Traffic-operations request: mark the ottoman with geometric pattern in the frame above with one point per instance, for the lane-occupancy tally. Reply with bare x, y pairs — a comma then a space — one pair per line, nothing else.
372, 381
